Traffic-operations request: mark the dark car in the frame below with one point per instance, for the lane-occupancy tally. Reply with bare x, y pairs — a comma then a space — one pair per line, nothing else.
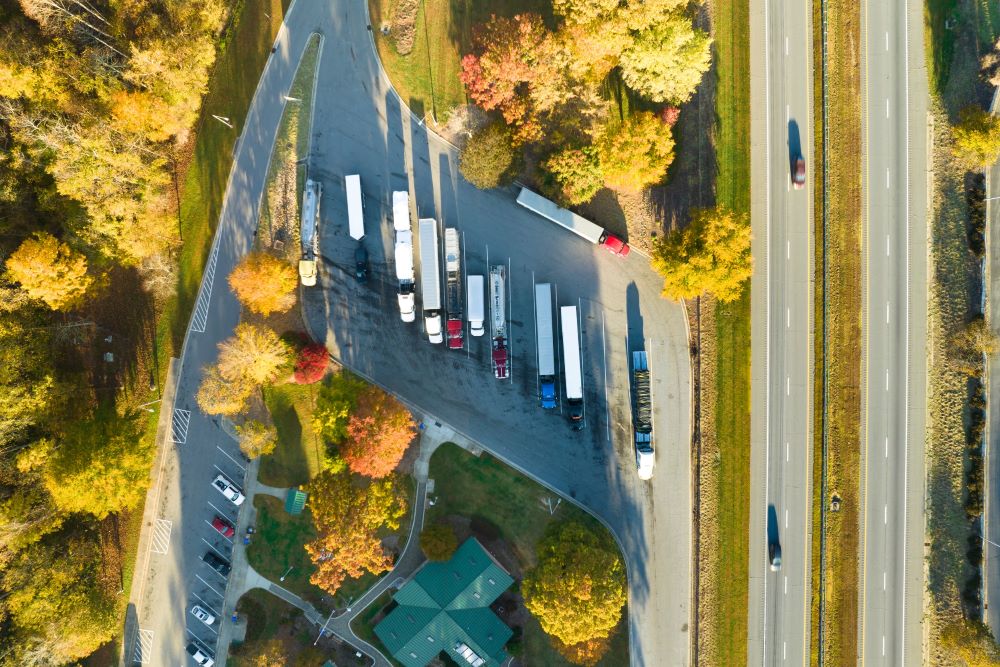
218, 564
774, 556
799, 175
361, 264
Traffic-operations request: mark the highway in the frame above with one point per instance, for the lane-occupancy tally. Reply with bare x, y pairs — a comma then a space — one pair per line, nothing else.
781, 331
894, 332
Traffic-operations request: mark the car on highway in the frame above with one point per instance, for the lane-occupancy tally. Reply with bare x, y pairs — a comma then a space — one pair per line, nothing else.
218, 564
361, 264
799, 174
200, 655
228, 489
224, 527
774, 556
202, 615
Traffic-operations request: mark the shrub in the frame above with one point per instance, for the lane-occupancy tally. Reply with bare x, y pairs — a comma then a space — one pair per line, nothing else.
311, 364
489, 158
438, 542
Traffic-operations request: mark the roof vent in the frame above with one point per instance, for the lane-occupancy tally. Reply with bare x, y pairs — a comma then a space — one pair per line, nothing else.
476, 595
492, 582
429, 638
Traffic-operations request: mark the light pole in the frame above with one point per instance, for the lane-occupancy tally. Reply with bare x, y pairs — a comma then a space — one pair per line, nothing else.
290, 568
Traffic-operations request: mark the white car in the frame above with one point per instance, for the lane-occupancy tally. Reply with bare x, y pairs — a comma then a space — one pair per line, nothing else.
229, 490
202, 615
200, 655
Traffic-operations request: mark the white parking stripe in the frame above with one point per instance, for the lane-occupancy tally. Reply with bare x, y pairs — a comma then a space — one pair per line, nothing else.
209, 523
226, 454
207, 605
198, 577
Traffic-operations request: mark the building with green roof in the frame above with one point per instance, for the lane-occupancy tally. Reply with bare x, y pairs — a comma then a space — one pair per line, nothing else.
446, 607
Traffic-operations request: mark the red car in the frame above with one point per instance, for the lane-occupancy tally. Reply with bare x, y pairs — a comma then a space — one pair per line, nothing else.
224, 527
615, 245
799, 177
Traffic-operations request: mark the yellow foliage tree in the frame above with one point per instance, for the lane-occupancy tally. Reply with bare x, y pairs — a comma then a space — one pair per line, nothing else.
254, 354
264, 284
711, 254
977, 138
51, 271
636, 153
257, 438
219, 396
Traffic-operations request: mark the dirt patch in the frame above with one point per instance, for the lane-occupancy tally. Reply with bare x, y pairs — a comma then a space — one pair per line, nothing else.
404, 25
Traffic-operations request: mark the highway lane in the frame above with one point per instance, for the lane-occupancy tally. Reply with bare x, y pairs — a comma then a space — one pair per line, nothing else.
782, 329
894, 314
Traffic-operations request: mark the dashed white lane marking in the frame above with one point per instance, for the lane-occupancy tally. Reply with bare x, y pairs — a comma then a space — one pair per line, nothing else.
887, 312
886, 245
786, 585
786, 46
883, 644
784, 649
885, 515
788, 249
179, 426
788, 386
886, 446
786, 518
886, 41
160, 543
143, 647
786, 452
887, 178
788, 318
887, 107
883, 581
887, 379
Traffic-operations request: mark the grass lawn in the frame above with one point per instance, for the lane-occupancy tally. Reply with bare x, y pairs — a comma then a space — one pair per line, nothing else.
725, 624
483, 487
264, 613
299, 454
279, 544
427, 78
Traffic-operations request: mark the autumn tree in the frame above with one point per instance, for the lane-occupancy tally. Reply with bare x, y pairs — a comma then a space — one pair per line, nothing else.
977, 138
587, 653
489, 158
577, 590
257, 438
334, 404
254, 353
379, 431
438, 541
971, 642
27, 376
263, 653
264, 284
711, 254
666, 60
100, 466
218, 395
636, 153
970, 344
572, 175
348, 516
49, 270
311, 363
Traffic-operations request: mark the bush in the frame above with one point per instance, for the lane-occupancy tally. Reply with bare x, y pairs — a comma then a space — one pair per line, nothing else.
572, 176
438, 542
489, 158
311, 364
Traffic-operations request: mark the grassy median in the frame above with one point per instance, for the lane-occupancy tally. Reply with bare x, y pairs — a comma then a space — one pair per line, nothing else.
844, 304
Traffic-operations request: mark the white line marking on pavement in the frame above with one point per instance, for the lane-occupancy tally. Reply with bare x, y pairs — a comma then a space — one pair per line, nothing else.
510, 327
198, 577
200, 318
886, 446
179, 426
788, 249
143, 647
886, 245
219, 534
887, 107
887, 178
883, 581
887, 41
213, 548
887, 379
604, 362
885, 515
786, 46
883, 644
207, 604
784, 649
160, 542
238, 464
887, 312
786, 521
786, 585
788, 318
786, 452
788, 386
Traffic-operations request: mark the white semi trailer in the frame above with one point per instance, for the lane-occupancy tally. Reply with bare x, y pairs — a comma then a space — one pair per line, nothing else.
571, 366
430, 279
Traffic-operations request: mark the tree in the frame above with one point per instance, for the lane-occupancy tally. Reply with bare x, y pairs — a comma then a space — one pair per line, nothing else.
27, 383
489, 158
711, 254
587, 653
100, 466
263, 653
971, 642
665, 61
311, 364
970, 344
977, 138
49, 270
218, 395
257, 438
348, 516
572, 175
438, 541
264, 284
577, 589
254, 353
378, 434
635, 154
336, 400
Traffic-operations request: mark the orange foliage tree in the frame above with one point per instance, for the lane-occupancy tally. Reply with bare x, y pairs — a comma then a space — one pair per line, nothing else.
378, 433
348, 515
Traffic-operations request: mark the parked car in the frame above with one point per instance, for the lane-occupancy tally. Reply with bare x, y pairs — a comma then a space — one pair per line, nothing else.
218, 564
202, 615
774, 556
228, 489
799, 175
361, 264
224, 527
200, 655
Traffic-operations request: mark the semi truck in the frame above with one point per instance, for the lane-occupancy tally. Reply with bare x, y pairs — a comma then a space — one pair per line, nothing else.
355, 207
546, 351
308, 231
498, 316
430, 279
403, 255
476, 305
453, 288
571, 366
642, 423
580, 226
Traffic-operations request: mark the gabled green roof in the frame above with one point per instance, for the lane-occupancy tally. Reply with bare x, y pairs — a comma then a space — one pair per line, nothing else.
446, 605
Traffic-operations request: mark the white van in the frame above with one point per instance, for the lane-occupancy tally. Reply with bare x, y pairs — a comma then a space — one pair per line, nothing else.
355, 207
476, 305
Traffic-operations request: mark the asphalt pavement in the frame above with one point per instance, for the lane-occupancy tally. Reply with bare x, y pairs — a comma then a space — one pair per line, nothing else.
894, 95
361, 127
781, 332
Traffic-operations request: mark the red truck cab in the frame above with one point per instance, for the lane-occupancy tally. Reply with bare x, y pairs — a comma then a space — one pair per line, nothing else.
455, 334
615, 245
